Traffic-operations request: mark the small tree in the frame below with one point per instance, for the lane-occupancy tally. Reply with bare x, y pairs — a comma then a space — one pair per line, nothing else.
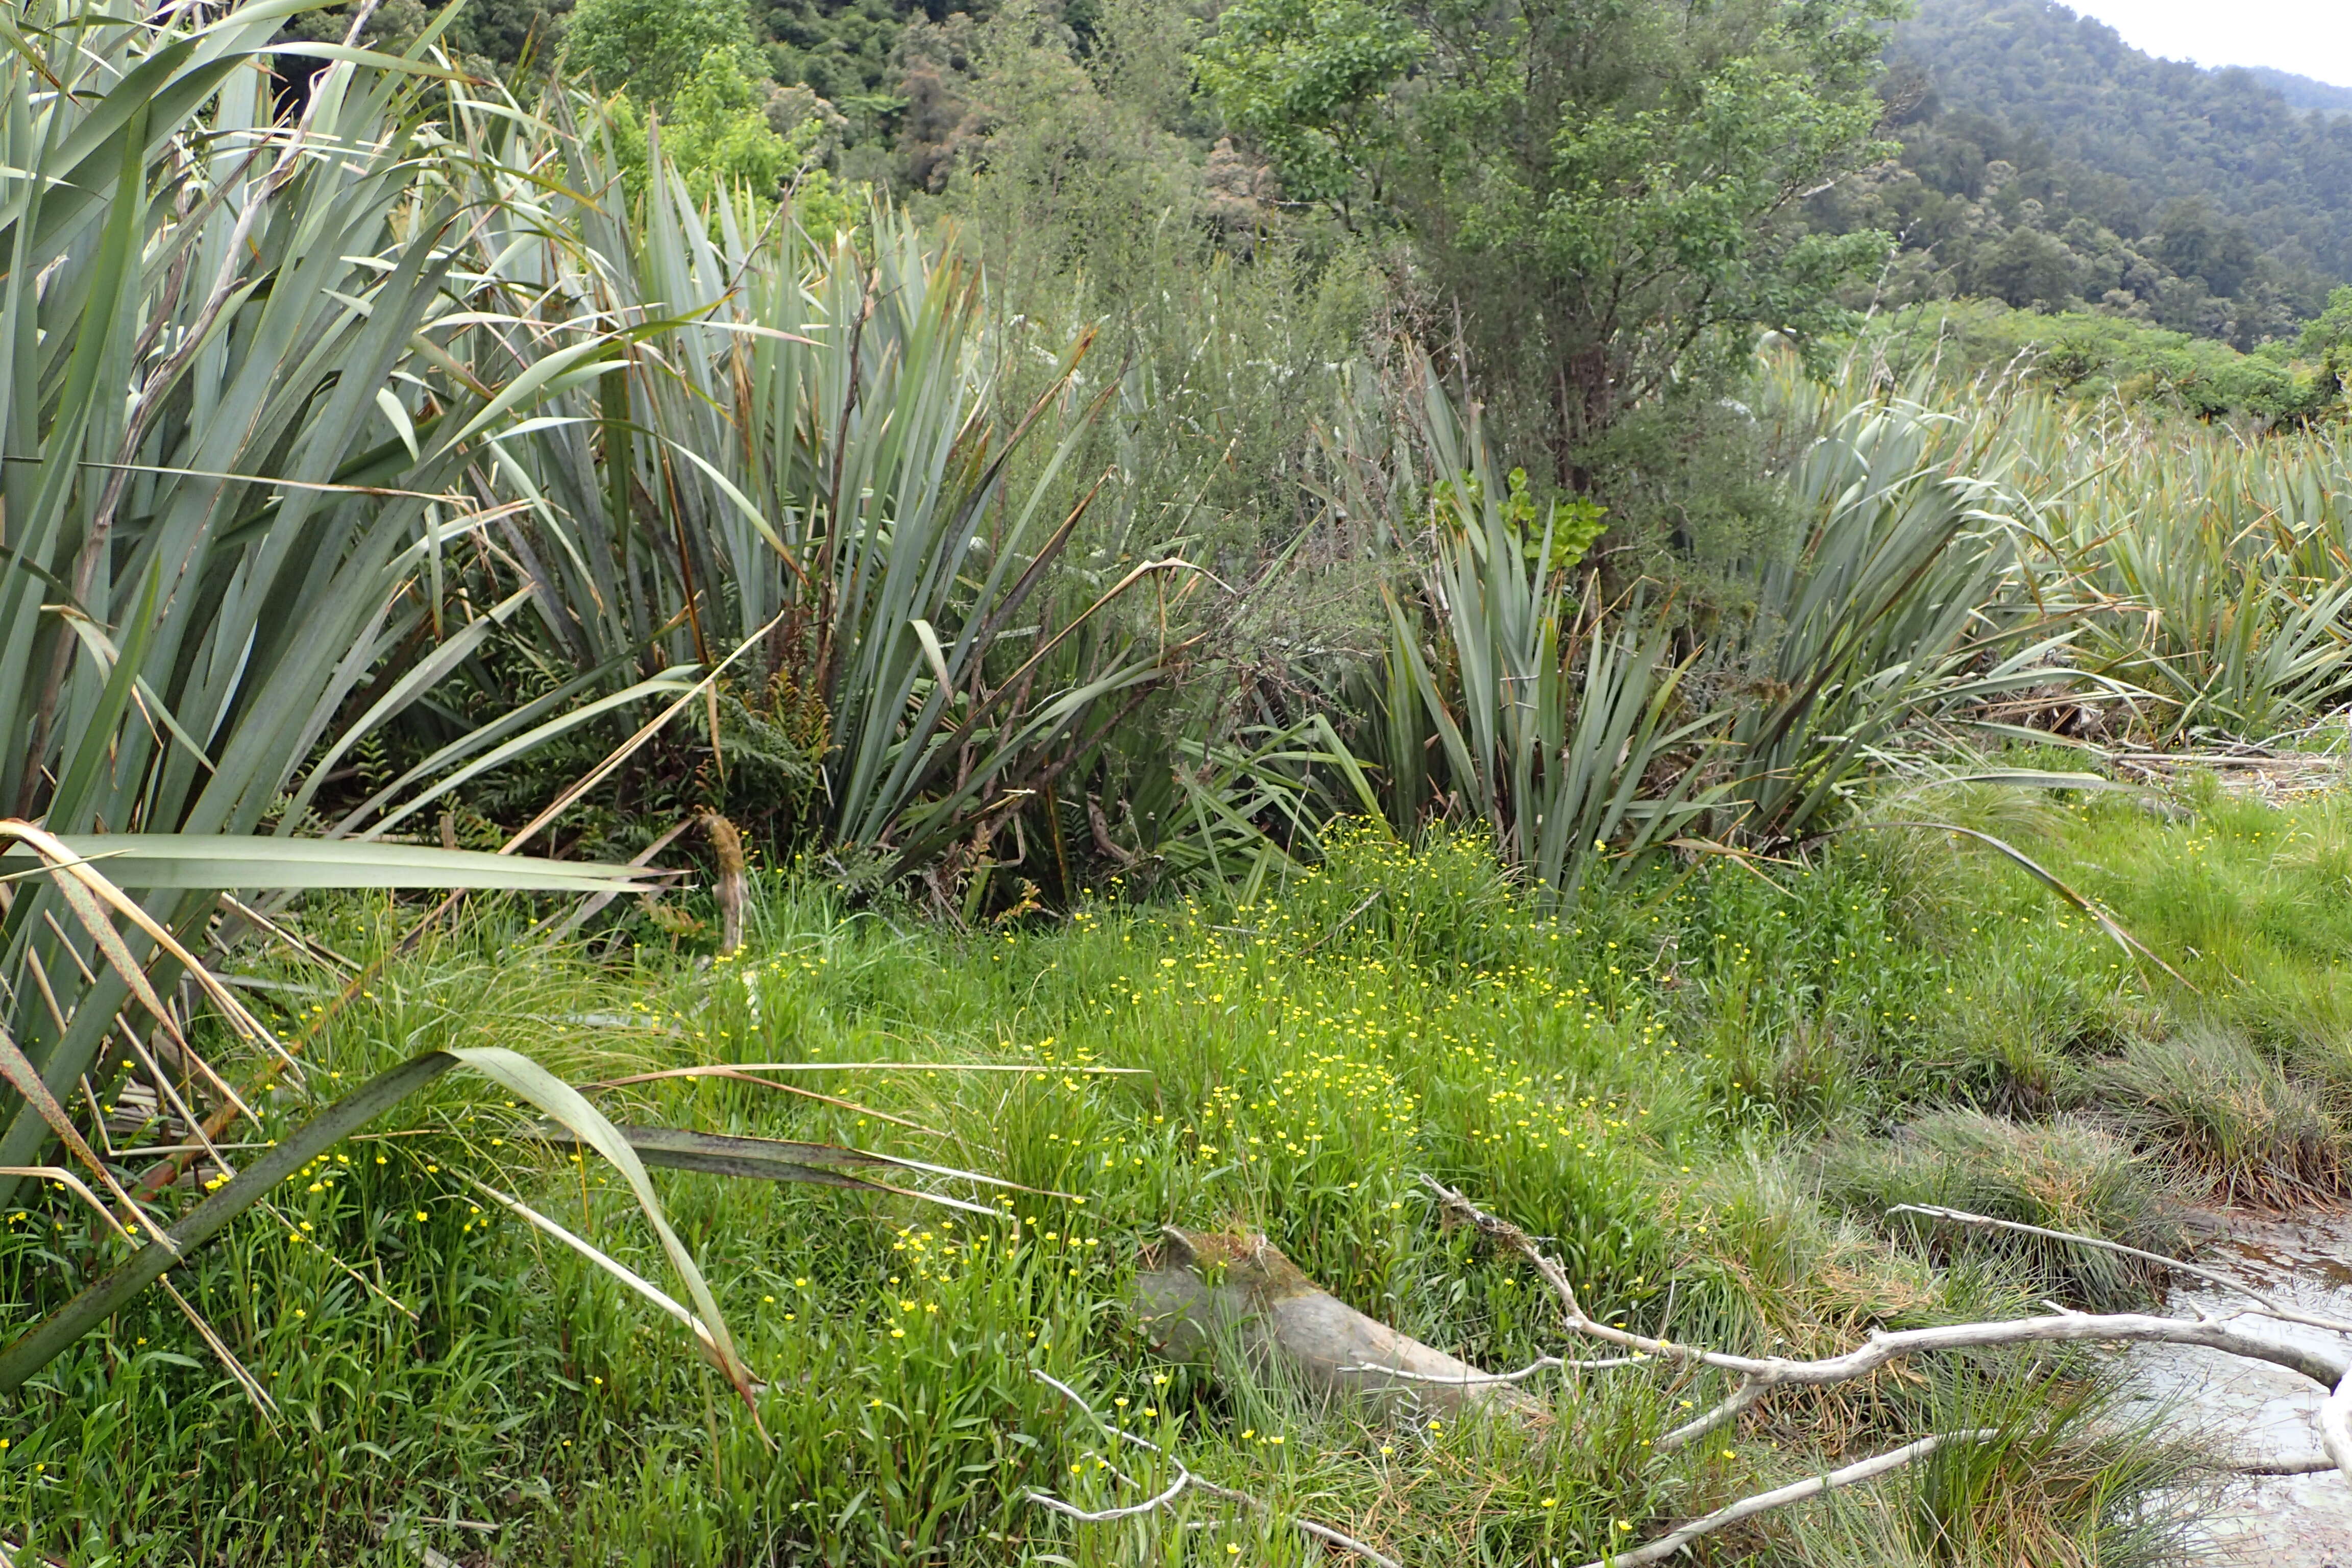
652, 48
721, 132
1607, 191
2328, 339
1305, 80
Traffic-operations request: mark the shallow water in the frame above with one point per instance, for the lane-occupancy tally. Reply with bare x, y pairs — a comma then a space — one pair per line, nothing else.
2258, 1413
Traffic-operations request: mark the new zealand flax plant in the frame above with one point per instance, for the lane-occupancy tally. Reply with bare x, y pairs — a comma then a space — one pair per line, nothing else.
237, 433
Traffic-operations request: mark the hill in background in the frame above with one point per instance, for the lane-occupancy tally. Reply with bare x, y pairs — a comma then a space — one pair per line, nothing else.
2043, 163
2047, 163
2301, 91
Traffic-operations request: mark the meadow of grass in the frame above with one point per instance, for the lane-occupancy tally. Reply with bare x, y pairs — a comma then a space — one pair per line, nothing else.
1702, 1091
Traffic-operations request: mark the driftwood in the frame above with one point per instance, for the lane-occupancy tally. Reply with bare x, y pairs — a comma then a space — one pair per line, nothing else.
1207, 1294
2330, 1368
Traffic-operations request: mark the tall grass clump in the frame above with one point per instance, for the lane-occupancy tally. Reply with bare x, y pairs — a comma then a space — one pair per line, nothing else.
2072, 1474
2225, 1116
2059, 1175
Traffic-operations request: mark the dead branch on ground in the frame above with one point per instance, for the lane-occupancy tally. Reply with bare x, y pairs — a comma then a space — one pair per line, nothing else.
1759, 1375
1667, 1545
1185, 1480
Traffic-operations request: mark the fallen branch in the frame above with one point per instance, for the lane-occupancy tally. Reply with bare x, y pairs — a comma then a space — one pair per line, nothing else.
1184, 1479
2331, 1368
1476, 1379
2335, 1423
2313, 1466
2270, 1308
1667, 1545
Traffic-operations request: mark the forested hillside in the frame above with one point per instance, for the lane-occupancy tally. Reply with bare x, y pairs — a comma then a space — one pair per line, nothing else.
2302, 91
2046, 162
2042, 162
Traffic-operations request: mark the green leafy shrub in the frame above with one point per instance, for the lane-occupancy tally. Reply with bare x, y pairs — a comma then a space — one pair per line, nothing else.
719, 131
652, 48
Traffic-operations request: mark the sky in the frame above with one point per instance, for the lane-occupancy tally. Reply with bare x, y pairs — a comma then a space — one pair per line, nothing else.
2309, 37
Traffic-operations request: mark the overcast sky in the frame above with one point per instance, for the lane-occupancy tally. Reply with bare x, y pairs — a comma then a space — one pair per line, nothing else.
2309, 37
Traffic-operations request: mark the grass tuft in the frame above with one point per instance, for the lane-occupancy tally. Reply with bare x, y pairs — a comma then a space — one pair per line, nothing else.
2062, 1175
2223, 1115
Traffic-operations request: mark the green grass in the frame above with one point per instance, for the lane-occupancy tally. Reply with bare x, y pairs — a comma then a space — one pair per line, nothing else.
1701, 1090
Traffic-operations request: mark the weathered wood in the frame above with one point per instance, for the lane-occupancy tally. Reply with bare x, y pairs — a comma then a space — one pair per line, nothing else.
1206, 1295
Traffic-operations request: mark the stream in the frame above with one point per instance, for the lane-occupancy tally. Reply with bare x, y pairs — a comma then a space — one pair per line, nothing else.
2259, 1414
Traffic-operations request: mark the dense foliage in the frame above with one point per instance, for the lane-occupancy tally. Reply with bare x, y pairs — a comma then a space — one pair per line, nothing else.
1195, 653
1704, 1094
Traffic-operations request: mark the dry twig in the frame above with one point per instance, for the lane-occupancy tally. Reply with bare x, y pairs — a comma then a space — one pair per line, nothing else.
1667, 1545
1184, 1479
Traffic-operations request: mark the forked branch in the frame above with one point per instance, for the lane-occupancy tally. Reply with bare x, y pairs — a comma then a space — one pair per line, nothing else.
1185, 1481
2328, 1367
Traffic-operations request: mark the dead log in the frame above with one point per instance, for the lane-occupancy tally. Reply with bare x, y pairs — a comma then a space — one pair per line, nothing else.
1202, 1296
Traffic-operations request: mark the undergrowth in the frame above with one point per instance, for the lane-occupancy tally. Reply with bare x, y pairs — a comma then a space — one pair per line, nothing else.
1702, 1092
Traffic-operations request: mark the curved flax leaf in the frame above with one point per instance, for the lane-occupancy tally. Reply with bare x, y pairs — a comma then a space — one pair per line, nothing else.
243, 861
518, 1074
2048, 878
785, 1160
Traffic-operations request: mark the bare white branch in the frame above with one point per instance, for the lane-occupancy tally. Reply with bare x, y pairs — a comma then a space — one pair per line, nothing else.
1184, 1478
2211, 1275
2330, 1368
1667, 1545
1477, 1379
